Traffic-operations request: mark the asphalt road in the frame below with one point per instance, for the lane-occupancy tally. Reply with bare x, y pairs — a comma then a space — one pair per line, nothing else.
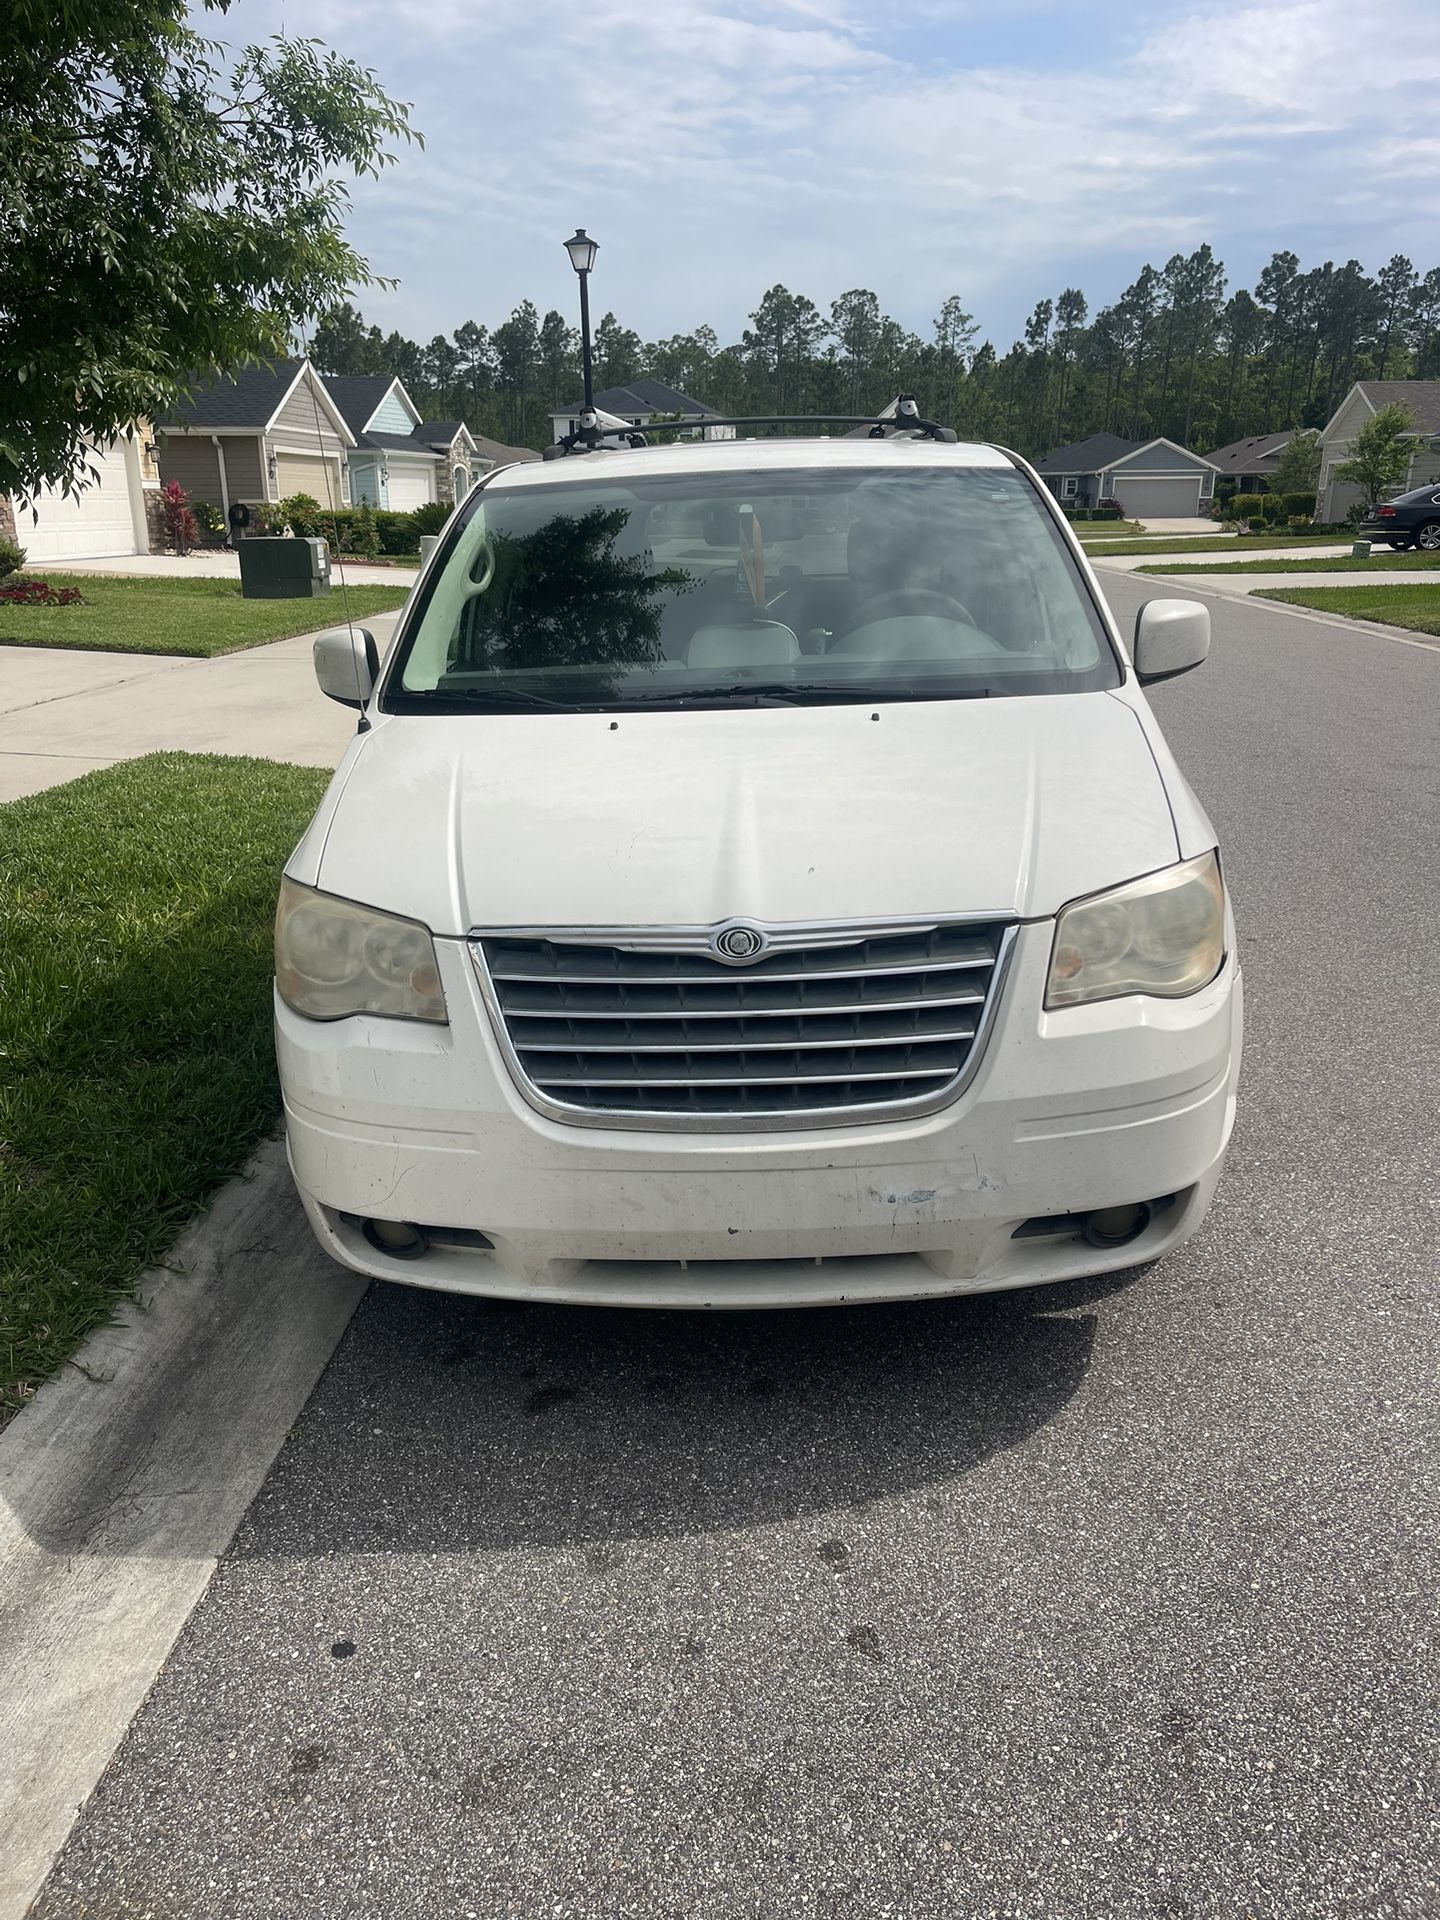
1107, 1600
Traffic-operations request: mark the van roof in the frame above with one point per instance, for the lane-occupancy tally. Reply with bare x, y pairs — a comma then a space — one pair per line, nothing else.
901, 451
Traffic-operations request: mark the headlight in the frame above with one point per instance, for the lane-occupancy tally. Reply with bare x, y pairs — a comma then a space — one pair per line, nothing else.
1164, 934
333, 958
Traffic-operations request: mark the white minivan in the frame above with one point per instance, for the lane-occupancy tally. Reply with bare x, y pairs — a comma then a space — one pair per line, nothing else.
757, 880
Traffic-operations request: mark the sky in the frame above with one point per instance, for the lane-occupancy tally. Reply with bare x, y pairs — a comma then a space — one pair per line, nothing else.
921, 148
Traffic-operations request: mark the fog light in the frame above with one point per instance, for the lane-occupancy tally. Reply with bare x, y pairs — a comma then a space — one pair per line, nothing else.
1118, 1226
399, 1238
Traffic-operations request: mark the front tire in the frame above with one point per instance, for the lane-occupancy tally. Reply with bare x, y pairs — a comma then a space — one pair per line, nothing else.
1428, 536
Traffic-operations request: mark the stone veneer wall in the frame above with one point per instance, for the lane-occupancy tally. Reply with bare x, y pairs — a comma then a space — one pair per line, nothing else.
7, 519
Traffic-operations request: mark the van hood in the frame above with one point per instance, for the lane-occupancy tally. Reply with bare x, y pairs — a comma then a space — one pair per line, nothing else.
1006, 807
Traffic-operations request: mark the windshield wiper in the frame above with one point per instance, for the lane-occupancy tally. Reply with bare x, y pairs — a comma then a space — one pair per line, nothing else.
796, 693
500, 697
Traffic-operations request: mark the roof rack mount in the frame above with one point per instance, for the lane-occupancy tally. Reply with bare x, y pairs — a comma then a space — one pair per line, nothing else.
589, 436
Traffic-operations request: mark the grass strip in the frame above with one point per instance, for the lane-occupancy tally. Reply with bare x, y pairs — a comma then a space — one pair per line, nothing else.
199, 617
1341, 563
134, 1025
1415, 606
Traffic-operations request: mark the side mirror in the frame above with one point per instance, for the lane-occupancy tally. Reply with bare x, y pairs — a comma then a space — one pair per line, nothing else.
347, 664
1171, 636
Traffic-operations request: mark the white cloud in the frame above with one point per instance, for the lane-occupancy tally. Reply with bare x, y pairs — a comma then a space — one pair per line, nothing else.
915, 147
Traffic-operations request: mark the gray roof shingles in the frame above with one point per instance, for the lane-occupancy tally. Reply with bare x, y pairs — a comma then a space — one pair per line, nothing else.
1422, 397
357, 395
642, 395
1087, 456
243, 402
1250, 456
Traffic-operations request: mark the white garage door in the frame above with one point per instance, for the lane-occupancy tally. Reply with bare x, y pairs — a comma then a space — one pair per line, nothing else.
91, 525
308, 473
411, 485
1146, 498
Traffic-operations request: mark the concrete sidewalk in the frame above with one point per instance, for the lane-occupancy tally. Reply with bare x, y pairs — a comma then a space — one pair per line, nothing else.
219, 563
66, 713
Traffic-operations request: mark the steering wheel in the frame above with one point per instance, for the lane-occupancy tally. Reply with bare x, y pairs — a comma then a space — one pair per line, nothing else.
915, 600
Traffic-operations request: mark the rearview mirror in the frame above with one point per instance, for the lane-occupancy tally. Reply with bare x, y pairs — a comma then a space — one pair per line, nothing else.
347, 664
1171, 636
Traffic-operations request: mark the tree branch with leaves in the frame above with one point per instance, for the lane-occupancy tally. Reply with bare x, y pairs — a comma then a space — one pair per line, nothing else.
171, 209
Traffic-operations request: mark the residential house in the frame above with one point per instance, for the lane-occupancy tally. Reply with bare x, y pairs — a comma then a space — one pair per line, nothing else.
490, 454
1152, 479
115, 511
400, 461
1250, 463
1365, 399
642, 400
259, 435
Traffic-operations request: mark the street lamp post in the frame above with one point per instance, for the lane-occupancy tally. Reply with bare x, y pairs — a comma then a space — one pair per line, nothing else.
582, 250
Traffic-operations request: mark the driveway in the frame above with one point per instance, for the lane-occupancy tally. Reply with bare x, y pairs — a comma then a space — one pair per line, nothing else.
64, 712
1114, 1599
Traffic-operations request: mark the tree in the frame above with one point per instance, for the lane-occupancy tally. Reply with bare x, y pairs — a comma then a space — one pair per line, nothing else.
517, 352
559, 356
955, 332
617, 353
168, 212
855, 327
476, 368
342, 343
1396, 284
1298, 468
1379, 455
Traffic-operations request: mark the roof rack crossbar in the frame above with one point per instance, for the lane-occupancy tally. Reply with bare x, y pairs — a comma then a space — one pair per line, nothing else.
590, 435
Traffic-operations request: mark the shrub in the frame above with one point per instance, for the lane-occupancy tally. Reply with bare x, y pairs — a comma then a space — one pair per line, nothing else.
398, 532
430, 518
12, 558
1107, 513
1299, 523
209, 519
1298, 505
1256, 523
302, 513
182, 531
39, 593
1246, 506
365, 535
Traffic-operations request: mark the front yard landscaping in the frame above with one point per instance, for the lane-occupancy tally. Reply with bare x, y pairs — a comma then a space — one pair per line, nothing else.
201, 617
134, 1026
1417, 607
1340, 563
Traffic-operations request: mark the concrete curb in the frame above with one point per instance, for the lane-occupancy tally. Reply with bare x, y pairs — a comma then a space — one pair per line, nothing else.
122, 1484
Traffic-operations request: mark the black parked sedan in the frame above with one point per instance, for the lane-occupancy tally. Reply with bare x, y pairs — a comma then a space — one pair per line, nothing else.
1412, 520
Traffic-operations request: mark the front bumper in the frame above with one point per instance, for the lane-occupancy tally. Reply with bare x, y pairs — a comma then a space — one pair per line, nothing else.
1092, 1107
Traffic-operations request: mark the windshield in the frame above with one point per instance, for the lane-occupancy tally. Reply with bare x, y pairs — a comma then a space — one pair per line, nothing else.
766, 587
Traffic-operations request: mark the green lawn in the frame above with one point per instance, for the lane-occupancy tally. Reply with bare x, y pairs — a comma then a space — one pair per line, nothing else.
1107, 529
134, 1026
198, 616
1417, 607
1343, 563
1229, 543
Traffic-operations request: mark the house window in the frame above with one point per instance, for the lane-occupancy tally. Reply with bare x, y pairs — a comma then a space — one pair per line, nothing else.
461, 478
1069, 487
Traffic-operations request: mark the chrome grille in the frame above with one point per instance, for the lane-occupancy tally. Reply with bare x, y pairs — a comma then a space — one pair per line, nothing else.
649, 1028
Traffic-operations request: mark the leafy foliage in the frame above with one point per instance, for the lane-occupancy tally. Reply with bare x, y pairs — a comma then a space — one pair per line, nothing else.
38, 593
12, 558
168, 211
1379, 455
182, 529
1172, 355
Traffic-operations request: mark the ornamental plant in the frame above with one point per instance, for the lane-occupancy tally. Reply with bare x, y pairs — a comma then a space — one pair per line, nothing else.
181, 529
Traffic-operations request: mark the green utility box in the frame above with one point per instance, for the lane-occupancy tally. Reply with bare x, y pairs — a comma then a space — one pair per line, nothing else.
283, 569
